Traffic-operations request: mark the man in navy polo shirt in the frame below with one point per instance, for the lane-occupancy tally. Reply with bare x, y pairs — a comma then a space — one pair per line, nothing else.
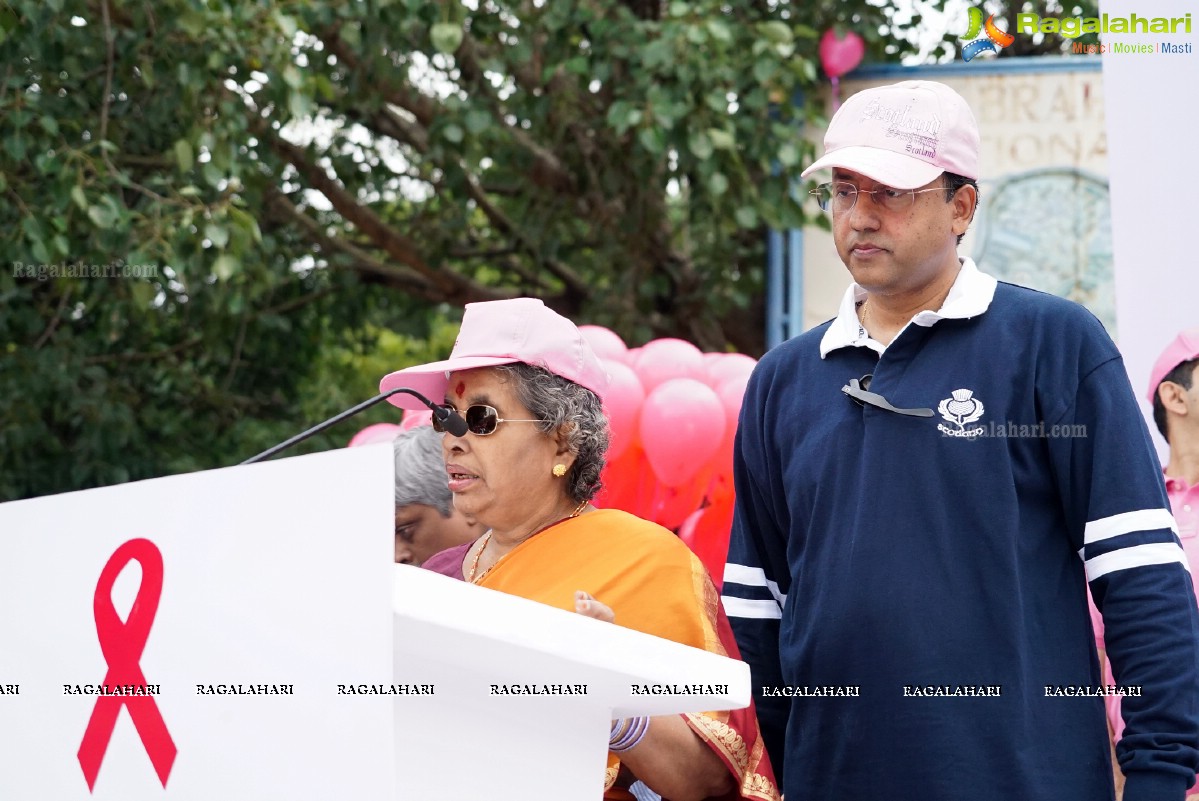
926, 485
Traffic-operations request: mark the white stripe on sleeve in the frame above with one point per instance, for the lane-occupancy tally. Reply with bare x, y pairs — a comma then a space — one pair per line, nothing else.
743, 607
752, 577
1127, 522
1154, 553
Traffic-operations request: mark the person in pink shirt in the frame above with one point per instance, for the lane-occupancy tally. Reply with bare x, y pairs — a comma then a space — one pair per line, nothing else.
1174, 394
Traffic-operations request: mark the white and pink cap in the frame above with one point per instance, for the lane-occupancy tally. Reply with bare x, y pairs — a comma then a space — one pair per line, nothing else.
903, 135
505, 332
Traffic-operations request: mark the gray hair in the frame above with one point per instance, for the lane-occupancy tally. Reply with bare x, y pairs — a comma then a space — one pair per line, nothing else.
561, 404
420, 470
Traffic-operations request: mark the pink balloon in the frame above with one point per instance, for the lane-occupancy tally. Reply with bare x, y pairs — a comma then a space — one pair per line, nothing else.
731, 393
414, 418
661, 360
379, 432
606, 343
839, 56
682, 426
726, 366
622, 404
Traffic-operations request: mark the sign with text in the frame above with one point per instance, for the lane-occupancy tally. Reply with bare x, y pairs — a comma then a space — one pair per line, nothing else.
184, 638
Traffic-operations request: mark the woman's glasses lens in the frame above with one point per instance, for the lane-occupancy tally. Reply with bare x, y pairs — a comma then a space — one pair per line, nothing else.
480, 419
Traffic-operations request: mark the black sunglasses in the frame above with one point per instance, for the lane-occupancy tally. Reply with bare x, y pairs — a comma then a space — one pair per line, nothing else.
858, 391
481, 419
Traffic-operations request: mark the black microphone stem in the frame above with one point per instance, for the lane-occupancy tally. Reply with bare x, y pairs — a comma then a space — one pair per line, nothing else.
319, 427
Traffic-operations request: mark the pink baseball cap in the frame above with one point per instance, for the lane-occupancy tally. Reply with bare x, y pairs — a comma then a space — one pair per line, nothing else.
505, 332
1183, 348
903, 135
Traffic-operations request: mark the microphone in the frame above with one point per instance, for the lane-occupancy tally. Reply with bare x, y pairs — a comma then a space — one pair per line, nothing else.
450, 420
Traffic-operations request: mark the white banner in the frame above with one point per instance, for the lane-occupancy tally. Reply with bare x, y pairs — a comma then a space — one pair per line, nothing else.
1149, 88
240, 598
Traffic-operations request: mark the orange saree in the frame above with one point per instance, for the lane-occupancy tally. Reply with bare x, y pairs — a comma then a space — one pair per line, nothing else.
654, 584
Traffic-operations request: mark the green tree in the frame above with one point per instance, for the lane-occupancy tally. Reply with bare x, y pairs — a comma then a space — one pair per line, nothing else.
299, 177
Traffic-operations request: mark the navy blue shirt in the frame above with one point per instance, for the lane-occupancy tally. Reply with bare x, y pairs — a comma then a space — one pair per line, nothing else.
911, 592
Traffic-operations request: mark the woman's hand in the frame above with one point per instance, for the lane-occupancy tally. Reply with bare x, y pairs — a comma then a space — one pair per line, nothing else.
589, 607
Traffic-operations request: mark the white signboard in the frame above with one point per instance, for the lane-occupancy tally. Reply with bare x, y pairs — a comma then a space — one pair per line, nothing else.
217, 612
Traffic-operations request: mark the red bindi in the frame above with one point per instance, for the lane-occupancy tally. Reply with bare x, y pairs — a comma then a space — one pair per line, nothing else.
460, 388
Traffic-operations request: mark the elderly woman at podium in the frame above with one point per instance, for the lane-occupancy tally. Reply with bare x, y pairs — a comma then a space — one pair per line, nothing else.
527, 467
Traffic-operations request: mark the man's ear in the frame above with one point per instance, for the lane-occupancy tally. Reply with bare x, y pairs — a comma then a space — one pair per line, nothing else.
965, 204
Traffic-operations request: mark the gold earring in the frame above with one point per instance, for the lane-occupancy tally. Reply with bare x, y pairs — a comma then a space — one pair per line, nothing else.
559, 470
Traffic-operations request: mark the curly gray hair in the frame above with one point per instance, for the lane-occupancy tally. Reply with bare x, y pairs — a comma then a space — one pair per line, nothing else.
561, 404
420, 475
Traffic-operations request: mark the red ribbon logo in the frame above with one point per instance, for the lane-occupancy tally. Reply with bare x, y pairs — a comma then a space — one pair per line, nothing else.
122, 643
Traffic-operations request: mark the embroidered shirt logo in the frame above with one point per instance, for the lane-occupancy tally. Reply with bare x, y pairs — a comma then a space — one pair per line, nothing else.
961, 409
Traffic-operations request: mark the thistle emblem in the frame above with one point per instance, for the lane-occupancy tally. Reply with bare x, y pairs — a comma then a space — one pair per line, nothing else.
962, 408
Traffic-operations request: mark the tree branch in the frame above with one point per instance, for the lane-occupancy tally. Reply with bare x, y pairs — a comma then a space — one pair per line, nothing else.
399, 277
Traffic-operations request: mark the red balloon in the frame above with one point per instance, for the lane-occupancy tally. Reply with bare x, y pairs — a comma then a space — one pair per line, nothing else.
660, 360
622, 404
670, 506
606, 343
840, 55
706, 532
628, 484
682, 426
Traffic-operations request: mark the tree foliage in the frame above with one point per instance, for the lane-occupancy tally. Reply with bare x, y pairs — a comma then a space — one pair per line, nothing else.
302, 176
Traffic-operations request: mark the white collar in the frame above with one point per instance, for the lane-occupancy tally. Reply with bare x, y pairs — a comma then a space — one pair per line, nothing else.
970, 296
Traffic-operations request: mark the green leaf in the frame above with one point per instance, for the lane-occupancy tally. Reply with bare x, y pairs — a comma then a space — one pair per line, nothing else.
776, 32
102, 216
718, 183
299, 104
292, 76
721, 139
763, 70
446, 36
246, 223
700, 145
49, 125
40, 254
719, 30
477, 120
453, 133
79, 197
225, 267
286, 23
679, 9
651, 139
746, 216
788, 155
184, 156
217, 234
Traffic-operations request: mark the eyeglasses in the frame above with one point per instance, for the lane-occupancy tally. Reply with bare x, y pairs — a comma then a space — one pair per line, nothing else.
840, 196
481, 419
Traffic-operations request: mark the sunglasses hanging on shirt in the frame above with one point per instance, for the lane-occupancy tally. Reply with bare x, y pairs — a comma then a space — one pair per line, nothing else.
858, 389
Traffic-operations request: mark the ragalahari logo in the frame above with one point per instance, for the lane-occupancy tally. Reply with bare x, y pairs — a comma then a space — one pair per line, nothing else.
983, 37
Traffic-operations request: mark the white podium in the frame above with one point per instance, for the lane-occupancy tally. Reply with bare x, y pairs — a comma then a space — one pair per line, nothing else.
524, 694
226, 634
